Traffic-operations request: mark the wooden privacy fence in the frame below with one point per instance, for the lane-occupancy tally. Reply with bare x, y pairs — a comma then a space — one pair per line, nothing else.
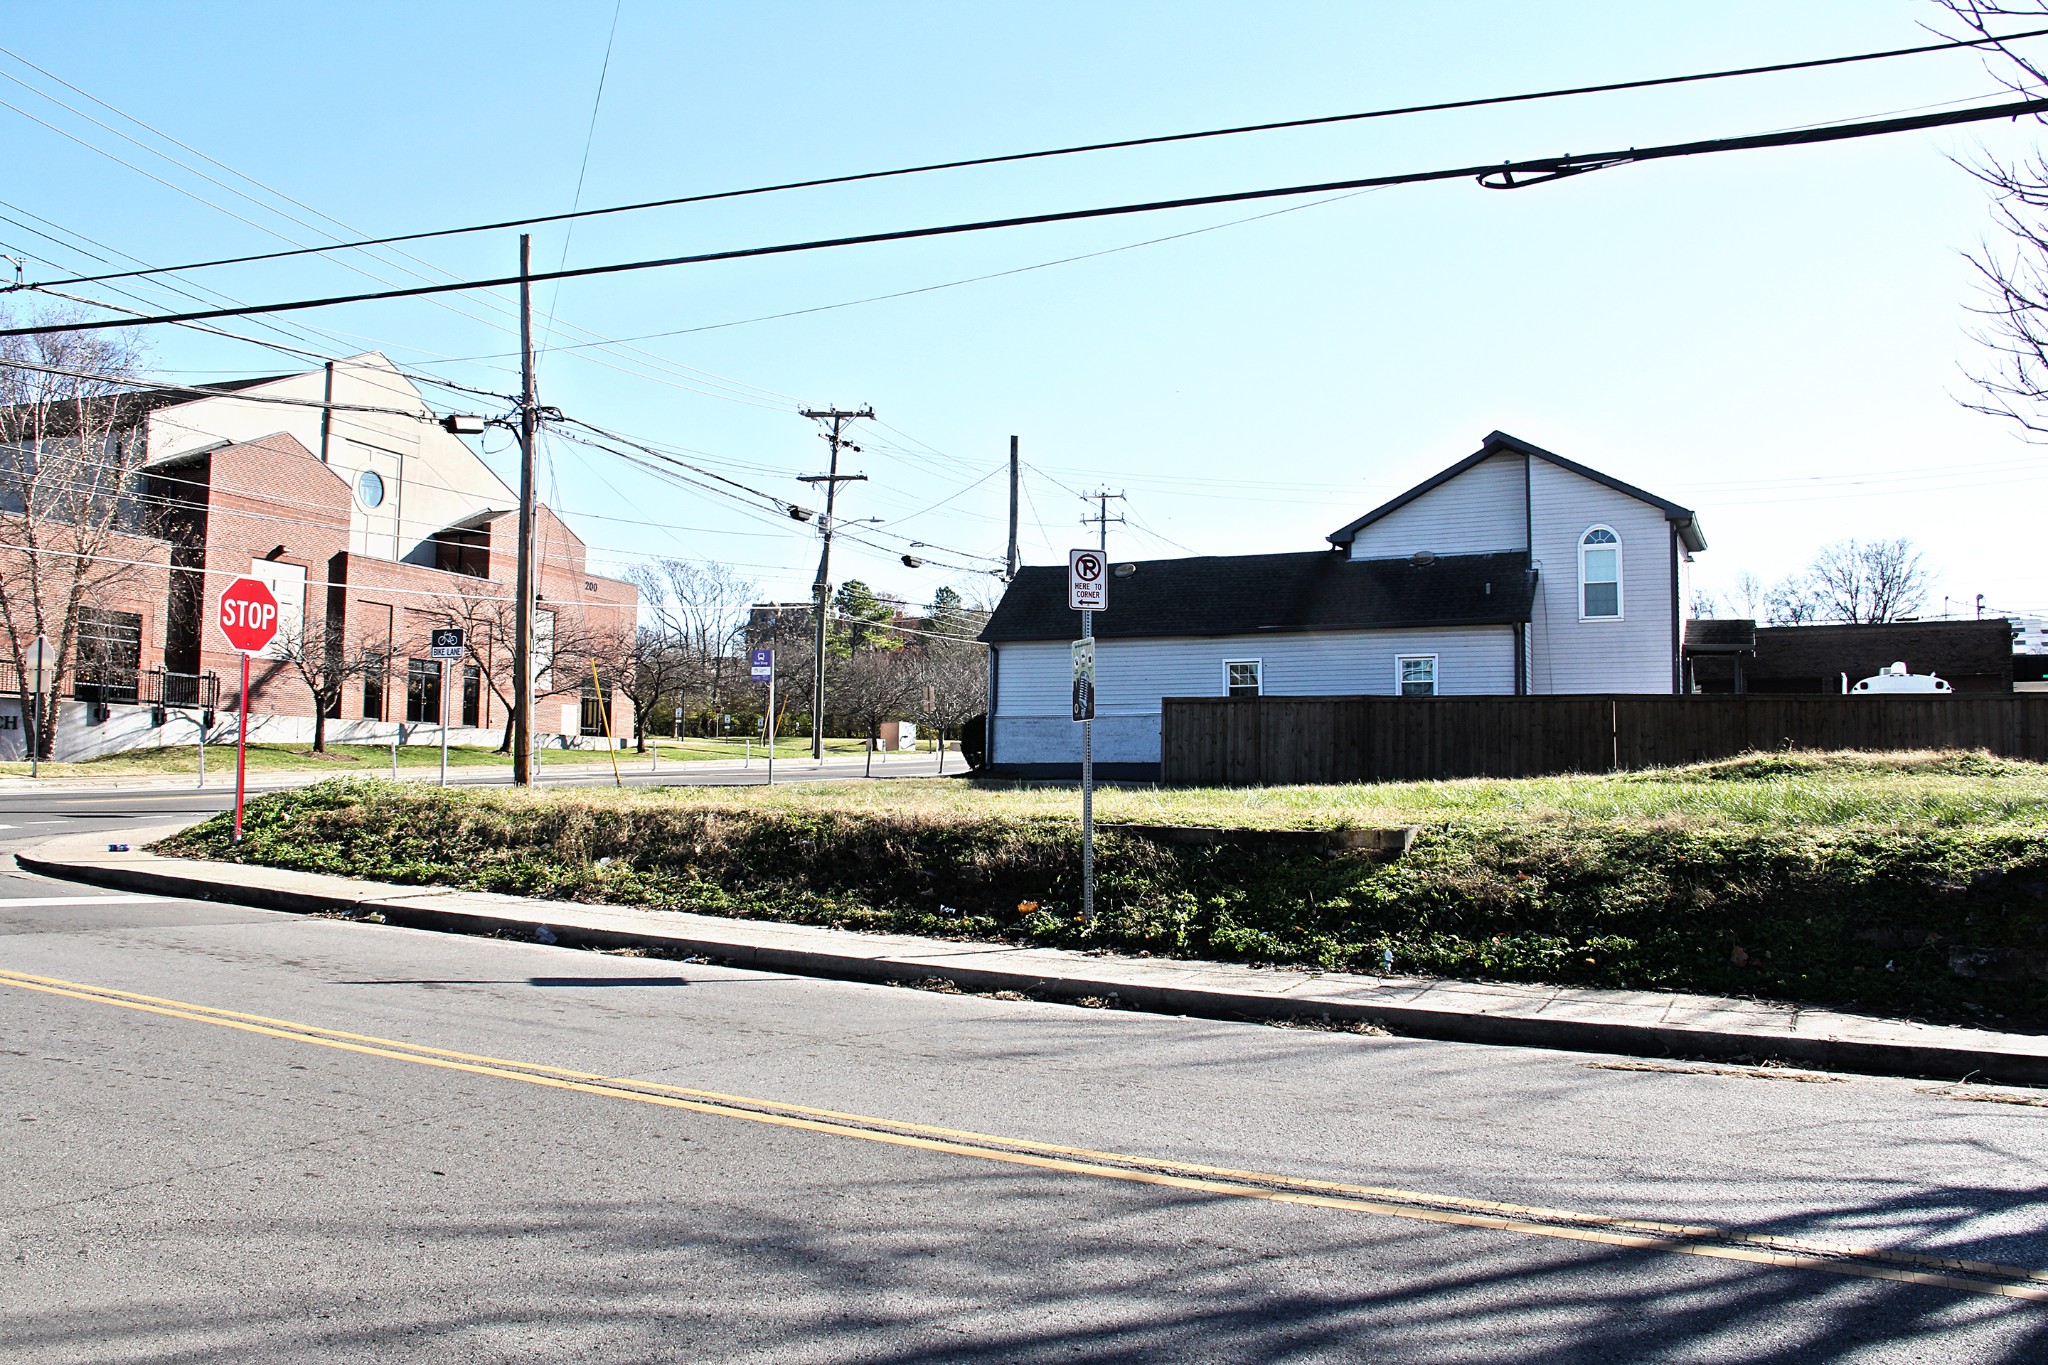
1261, 741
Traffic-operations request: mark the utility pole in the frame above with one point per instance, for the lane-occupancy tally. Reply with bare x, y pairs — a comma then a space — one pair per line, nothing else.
1102, 518
522, 609
821, 589
1010, 571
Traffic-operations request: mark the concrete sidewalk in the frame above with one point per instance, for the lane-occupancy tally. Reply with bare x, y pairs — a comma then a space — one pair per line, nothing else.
1641, 1023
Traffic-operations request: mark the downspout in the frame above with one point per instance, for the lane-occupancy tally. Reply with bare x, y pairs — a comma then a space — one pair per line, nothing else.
1528, 507
988, 725
1677, 623
1525, 631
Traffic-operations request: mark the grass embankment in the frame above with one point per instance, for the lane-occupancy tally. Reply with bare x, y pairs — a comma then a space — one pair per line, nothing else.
1850, 880
182, 759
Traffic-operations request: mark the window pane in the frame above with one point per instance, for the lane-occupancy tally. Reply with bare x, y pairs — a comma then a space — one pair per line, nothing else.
1418, 677
1242, 678
1603, 599
1600, 536
1600, 566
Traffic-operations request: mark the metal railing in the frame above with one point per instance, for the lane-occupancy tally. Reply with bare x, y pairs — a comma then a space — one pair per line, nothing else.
130, 687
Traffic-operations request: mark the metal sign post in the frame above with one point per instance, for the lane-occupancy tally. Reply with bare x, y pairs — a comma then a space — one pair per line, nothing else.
445, 644
41, 659
761, 663
1087, 593
248, 617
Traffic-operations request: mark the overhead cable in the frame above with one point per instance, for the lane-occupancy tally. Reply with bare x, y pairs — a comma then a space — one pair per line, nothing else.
1161, 139
1503, 175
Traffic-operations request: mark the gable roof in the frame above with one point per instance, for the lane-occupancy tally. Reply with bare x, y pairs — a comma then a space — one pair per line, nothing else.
1499, 442
1252, 594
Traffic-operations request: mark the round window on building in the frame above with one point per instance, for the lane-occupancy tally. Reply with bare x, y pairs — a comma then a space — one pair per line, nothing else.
370, 489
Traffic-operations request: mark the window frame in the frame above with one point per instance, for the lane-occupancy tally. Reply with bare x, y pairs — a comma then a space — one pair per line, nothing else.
1620, 598
1436, 682
423, 679
1258, 667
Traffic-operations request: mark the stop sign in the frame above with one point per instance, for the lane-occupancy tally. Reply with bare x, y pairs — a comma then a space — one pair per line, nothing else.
248, 614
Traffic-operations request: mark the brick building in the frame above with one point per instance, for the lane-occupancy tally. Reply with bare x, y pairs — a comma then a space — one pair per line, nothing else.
372, 525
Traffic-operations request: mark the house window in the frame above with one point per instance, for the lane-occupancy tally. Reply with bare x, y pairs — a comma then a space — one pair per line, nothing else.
1415, 675
423, 690
472, 696
1241, 678
1599, 574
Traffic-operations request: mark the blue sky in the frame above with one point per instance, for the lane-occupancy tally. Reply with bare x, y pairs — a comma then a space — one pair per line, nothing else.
1778, 339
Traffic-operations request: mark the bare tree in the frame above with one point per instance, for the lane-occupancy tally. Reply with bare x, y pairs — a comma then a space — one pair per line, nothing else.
1869, 580
1746, 596
1854, 581
949, 666
564, 642
701, 609
2013, 273
1792, 601
652, 669
872, 686
71, 525
788, 633
326, 661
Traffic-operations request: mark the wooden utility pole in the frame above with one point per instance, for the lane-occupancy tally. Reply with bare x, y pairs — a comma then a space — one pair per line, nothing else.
821, 590
1010, 563
522, 609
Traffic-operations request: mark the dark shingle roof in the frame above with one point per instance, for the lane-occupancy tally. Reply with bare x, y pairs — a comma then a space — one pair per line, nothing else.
1814, 657
1720, 636
1248, 594
1498, 441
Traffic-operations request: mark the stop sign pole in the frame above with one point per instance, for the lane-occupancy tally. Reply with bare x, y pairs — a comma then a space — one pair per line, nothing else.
248, 617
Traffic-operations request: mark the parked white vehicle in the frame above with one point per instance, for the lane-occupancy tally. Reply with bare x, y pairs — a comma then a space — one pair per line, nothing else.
1897, 680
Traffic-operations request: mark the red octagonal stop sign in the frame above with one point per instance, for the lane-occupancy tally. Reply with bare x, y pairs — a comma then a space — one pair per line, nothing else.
248, 614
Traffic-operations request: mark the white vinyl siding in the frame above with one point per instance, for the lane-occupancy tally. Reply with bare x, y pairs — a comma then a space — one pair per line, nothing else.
1627, 654
1032, 721
1478, 512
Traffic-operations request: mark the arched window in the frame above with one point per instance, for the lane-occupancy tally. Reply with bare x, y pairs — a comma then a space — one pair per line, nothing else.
1599, 574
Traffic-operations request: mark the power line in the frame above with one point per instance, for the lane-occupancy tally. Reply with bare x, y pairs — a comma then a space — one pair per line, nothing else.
1498, 175
1081, 148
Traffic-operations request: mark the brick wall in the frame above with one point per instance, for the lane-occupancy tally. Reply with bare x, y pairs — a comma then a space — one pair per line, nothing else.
271, 500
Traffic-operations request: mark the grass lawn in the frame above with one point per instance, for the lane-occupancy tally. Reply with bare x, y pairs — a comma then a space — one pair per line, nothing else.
1899, 882
375, 758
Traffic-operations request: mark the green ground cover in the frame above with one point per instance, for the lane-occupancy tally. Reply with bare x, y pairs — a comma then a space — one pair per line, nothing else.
1902, 883
372, 758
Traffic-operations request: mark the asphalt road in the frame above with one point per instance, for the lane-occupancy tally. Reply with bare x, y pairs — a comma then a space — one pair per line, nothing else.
304, 1180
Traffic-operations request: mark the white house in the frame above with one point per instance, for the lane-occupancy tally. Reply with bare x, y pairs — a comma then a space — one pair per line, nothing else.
1514, 571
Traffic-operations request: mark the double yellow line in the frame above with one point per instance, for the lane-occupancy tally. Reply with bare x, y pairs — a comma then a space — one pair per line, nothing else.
1798, 1253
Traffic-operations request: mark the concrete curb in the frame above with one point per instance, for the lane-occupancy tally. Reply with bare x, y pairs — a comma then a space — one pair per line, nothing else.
1591, 1021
